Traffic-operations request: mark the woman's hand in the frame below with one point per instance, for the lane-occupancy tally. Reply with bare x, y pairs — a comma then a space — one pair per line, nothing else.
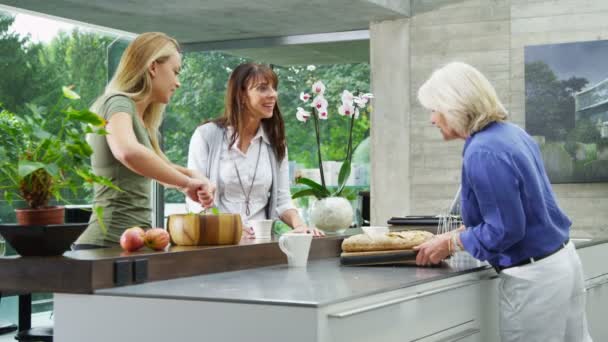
305, 229
434, 250
206, 195
248, 233
201, 191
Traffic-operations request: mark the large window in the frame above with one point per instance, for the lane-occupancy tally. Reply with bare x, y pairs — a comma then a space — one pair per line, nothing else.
201, 98
35, 65
37, 57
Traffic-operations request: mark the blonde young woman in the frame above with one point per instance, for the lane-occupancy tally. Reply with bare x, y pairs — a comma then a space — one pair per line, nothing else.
133, 104
510, 214
244, 152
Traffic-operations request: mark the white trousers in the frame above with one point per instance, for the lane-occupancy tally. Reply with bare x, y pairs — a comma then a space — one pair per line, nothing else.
544, 301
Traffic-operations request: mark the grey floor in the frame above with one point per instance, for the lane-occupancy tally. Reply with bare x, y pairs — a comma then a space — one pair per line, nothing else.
39, 319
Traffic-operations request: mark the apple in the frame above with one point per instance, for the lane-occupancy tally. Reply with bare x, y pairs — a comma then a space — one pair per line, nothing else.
156, 239
132, 239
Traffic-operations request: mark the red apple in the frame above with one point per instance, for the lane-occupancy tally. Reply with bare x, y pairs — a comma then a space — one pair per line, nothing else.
156, 239
132, 239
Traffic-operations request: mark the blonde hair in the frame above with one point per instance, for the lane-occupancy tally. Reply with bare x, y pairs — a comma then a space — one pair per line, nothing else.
133, 80
464, 96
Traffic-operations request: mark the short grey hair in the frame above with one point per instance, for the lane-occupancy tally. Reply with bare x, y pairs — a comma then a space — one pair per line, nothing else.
464, 96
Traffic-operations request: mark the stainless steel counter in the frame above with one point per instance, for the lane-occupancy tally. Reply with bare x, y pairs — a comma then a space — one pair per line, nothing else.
322, 283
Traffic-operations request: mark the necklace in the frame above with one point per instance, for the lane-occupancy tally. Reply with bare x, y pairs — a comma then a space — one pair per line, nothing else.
247, 194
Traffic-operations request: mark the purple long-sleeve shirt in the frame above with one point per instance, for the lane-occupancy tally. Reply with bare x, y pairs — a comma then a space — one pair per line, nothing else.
507, 202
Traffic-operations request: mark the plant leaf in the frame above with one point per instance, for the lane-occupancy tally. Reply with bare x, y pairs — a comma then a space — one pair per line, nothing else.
101, 131
41, 134
99, 214
8, 197
26, 167
85, 116
343, 176
313, 185
307, 192
70, 94
52, 169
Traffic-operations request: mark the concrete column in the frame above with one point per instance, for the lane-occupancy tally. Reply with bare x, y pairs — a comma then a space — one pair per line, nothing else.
390, 121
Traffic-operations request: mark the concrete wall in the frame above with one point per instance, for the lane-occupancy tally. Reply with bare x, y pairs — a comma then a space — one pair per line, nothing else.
491, 35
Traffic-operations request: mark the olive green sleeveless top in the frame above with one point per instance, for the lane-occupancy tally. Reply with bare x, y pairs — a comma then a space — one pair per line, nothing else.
121, 209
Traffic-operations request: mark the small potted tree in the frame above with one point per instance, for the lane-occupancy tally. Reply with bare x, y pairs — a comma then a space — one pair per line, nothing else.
44, 155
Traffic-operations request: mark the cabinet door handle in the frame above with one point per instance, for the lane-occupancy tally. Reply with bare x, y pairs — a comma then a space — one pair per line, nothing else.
390, 302
459, 336
597, 282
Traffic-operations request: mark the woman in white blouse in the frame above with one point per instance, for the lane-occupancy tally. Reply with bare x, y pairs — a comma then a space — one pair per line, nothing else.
244, 152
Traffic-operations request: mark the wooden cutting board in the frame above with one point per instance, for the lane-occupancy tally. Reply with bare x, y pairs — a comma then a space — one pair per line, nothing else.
400, 257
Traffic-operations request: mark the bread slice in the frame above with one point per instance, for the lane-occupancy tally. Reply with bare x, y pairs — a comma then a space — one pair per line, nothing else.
385, 242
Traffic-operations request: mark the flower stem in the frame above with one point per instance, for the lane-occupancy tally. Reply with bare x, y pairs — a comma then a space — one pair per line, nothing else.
316, 119
349, 150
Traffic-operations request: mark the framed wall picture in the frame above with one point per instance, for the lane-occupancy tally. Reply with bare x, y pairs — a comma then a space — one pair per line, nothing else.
567, 108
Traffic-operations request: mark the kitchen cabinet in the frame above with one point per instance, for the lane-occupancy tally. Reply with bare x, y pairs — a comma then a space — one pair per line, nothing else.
595, 269
429, 314
323, 303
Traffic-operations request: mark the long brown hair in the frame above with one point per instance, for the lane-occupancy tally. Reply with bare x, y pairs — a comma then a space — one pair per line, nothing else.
243, 78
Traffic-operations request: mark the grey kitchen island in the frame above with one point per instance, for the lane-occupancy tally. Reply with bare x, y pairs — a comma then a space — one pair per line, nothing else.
323, 302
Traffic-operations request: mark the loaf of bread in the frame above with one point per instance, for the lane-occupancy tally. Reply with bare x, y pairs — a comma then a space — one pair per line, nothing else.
385, 242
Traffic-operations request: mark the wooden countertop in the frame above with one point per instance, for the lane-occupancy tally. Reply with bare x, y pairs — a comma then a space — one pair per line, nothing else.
89, 270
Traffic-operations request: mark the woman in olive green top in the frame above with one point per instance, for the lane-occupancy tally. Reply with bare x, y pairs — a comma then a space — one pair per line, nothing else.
129, 155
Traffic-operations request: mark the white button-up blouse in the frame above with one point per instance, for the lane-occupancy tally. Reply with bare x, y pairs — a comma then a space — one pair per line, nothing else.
230, 195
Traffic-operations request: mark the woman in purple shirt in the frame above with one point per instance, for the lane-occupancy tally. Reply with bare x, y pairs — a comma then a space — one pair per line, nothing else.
510, 214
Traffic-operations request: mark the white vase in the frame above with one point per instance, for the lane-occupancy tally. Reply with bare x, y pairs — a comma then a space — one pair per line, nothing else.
332, 214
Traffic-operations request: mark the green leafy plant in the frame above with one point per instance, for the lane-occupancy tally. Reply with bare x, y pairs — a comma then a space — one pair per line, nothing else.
350, 107
210, 211
44, 153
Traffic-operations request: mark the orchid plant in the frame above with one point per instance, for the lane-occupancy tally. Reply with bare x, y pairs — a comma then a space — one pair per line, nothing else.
351, 107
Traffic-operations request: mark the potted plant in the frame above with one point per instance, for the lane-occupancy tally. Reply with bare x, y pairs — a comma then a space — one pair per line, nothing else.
332, 212
44, 155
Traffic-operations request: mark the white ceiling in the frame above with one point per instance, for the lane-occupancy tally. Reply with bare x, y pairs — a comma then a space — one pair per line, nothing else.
235, 21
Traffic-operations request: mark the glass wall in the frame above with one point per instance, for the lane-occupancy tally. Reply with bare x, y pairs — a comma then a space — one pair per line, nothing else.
35, 64
201, 97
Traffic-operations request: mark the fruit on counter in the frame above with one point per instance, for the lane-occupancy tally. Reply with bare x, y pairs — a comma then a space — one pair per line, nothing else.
156, 239
132, 239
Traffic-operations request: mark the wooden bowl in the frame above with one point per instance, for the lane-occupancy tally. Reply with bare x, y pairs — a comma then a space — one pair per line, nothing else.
200, 230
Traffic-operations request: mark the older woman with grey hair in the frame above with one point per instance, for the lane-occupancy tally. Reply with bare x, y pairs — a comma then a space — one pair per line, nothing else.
510, 214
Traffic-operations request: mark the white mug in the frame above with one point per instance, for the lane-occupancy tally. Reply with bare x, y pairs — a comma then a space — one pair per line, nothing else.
296, 246
261, 228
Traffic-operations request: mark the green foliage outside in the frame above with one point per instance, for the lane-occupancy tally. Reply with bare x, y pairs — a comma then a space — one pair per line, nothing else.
201, 97
34, 73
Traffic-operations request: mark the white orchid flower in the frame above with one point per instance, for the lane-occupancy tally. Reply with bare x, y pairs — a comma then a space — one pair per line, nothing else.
318, 88
319, 102
302, 115
347, 97
323, 114
363, 99
304, 96
361, 102
346, 109
356, 113
311, 68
